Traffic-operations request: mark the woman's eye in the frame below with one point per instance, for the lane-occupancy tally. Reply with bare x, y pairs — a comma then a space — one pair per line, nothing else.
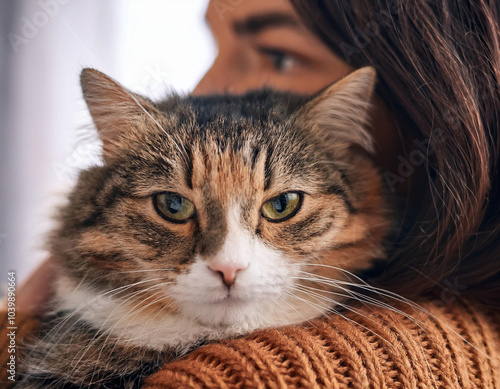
173, 207
280, 60
282, 207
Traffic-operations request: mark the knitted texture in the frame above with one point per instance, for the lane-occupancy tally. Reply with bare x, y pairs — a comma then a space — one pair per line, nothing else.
452, 346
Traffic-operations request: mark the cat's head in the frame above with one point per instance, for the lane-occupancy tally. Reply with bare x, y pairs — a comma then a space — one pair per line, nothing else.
225, 210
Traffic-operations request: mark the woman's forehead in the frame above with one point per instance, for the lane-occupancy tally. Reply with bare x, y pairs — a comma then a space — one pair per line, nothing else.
227, 12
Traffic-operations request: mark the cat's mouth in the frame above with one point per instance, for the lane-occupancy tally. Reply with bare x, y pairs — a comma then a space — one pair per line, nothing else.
223, 311
230, 298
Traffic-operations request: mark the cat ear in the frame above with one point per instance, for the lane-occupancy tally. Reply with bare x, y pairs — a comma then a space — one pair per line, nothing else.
115, 110
341, 111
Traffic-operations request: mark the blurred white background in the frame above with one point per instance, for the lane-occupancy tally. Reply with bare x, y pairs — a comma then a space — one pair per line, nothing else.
148, 45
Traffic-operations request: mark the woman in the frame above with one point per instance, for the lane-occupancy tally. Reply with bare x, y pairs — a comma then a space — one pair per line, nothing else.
436, 122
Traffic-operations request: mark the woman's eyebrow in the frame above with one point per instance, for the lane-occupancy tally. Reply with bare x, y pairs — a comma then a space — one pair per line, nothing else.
257, 23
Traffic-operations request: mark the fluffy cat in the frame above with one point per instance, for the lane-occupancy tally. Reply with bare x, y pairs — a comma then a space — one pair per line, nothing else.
210, 217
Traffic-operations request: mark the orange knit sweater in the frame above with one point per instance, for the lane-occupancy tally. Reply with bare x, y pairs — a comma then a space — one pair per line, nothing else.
452, 346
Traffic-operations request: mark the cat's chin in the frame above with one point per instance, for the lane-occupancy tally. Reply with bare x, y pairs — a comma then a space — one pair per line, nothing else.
238, 314
225, 312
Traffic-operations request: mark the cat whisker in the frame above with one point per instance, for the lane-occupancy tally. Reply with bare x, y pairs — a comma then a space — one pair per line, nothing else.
363, 298
100, 332
325, 281
161, 298
127, 316
295, 309
321, 308
55, 330
346, 296
391, 295
372, 319
69, 328
147, 270
312, 290
368, 287
335, 268
329, 307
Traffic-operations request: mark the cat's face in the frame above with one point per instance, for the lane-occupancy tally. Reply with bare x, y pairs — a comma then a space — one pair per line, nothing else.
224, 220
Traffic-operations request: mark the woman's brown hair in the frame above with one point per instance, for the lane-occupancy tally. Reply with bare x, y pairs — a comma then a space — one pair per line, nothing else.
439, 70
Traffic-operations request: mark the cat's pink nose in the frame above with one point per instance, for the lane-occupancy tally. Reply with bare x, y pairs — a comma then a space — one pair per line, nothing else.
226, 271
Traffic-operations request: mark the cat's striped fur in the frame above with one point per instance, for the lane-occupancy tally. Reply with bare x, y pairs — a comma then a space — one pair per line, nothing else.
135, 289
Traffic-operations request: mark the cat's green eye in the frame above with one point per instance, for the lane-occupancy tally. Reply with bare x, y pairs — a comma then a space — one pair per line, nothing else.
173, 207
282, 207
